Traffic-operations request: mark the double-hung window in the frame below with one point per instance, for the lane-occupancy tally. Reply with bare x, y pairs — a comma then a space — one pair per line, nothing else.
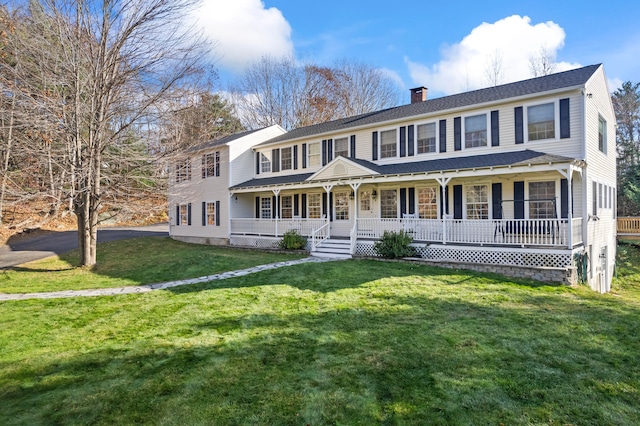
286, 158
542, 200
341, 205
602, 134
541, 122
365, 201
211, 165
211, 214
388, 203
388, 144
265, 162
313, 154
265, 208
184, 214
477, 201
341, 147
286, 207
428, 203
475, 131
426, 138
314, 205
183, 170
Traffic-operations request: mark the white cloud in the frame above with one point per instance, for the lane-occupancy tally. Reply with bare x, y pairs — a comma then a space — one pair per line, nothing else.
508, 44
244, 31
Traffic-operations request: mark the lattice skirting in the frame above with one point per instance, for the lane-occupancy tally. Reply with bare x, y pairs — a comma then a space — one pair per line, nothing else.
487, 255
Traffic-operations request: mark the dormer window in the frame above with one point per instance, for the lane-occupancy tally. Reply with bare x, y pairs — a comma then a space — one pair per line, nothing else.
388, 144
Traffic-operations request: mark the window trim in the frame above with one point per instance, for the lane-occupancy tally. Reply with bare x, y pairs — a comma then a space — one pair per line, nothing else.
556, 120
437, 134
397, 147
207, 214
417, 199
380, 203
183, 220
463, 130
527, 196
263, 209
604, 134
319, 154
263, 156
346, 138
309, 206
215, 167
282, 150
183, 165
465, 187
282, 207
336, 196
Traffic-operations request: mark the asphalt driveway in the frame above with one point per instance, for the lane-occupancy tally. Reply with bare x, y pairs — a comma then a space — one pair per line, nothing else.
26, 249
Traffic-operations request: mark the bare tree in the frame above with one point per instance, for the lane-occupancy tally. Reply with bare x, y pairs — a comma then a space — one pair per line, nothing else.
493, 69
543, 63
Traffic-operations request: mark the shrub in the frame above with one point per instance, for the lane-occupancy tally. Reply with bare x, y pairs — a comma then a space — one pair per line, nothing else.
291, 240
394, 245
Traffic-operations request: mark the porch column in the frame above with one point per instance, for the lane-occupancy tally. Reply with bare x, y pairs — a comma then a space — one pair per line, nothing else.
568, 176
443, 184
355, 187
276, 192
328, 189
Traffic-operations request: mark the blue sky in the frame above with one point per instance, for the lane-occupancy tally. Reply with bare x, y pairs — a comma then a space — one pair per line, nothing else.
446, 46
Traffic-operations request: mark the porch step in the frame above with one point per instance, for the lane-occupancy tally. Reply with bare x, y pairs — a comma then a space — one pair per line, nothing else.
339, 249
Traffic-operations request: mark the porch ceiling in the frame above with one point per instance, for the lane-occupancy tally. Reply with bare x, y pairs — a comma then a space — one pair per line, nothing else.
498, 163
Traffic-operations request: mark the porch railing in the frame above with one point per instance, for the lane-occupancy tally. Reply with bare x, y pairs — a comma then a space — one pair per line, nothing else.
319, 235
628, 225
576, 230
264, 227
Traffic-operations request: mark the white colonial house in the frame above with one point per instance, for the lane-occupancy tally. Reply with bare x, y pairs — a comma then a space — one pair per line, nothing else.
519, 179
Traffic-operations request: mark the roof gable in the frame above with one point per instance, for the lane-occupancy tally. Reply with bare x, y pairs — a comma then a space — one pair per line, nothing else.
342, 167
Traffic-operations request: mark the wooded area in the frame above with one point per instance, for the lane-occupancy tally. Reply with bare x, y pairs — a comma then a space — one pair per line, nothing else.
98, 96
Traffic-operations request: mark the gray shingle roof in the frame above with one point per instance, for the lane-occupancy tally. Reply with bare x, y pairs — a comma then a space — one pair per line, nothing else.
562, 80
500, 159
222, 141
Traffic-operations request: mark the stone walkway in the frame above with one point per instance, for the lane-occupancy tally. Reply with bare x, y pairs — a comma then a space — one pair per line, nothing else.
159, 286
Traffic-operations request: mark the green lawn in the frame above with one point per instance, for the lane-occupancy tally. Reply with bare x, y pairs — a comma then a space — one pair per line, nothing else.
133, 262
351, 342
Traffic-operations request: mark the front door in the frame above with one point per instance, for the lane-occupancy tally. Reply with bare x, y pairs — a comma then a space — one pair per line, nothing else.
342, 217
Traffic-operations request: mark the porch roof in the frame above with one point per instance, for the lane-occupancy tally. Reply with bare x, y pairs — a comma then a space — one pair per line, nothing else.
501, 159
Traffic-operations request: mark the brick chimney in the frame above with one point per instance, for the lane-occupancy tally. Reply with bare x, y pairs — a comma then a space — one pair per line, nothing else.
419, 94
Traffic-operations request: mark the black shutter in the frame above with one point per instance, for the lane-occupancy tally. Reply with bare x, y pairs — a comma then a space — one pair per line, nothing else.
275, 160
257, 163
495, 129
374, 146
564, 198
496, 198
189, 214
295, 157
324, 204
410, 141
457, 201
518, 200
296, 210
403, 201
565, 128
217, 213
331, 206
178, 214
304, 155
324, 152
304, 205
329, 150
257, 207
273, 207
204, 213
443, 135
519, 125
457, 133
403, 141
412, 200
352, 142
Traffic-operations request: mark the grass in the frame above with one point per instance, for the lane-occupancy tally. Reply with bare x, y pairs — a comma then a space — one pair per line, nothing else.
352, 342
134, 262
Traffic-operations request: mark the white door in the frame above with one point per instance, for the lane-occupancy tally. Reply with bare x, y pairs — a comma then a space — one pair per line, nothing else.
342, 217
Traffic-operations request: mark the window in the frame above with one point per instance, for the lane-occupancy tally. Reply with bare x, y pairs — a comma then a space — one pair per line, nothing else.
426, 138
341, 147
211, 214
541, 200
541, 122
265, 162
388, 145
602, 134
184, 214
314, 204
183, 170
475, 131
341, 200
477, 202
365, 201
388, 203
286, 159
286, 207
265, 208
313, 154
428, 203
211, 165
